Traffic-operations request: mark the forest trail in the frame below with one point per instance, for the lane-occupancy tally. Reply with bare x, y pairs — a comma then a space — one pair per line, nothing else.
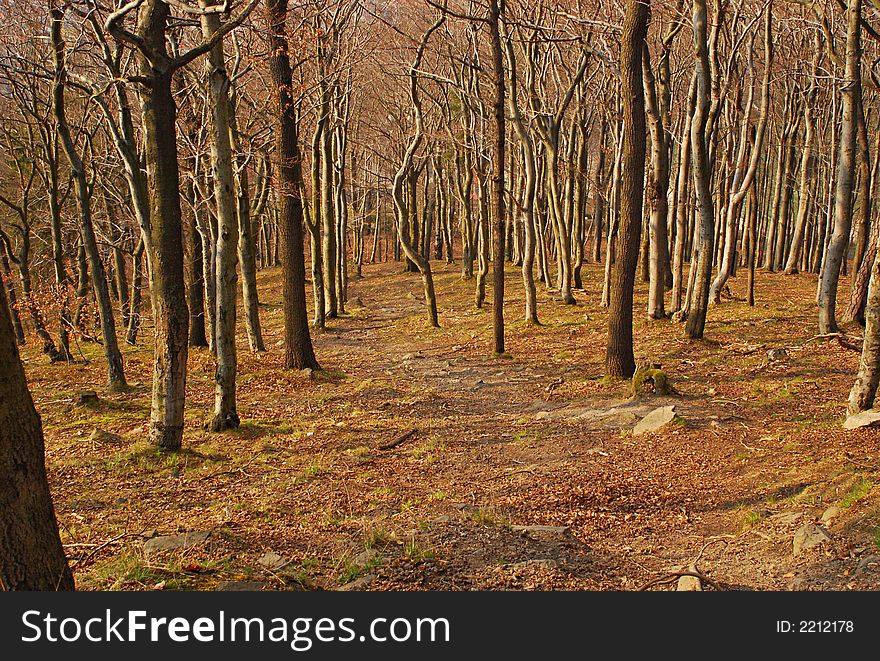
519, 473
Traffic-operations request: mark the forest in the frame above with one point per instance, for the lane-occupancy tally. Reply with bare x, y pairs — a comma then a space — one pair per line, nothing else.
376, 295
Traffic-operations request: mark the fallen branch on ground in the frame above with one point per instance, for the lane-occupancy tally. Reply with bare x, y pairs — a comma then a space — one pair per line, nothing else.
399, 440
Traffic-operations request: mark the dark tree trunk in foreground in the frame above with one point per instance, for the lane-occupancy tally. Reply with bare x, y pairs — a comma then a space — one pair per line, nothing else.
299, 353
499, 163
619, 360
31, 555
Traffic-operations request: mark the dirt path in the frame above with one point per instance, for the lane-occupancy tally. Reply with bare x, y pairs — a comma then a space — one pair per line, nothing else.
520, 473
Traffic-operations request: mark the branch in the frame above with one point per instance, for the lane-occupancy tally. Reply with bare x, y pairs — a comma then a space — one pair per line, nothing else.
216, 38
114, 27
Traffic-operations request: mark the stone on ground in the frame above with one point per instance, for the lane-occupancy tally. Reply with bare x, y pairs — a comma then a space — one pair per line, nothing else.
102, 436
863, 419
271, 561
239, 586
174, 542
830, 514
655, 420
809, 537
689, 583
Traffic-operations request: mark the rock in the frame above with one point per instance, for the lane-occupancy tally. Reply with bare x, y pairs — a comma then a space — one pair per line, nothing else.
358, 584
149, 534
689, 583
810, 536
534, 564
102, 436
863, 419
239, 586
868, 563
777, 354
798, 584
831, 513
173, 542
443, 519
271, 561
542, 530
786, 518
656, 419
87, 398
308, 372
366, 557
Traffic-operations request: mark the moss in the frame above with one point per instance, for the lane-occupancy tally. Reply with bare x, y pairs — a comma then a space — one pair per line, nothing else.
656, 377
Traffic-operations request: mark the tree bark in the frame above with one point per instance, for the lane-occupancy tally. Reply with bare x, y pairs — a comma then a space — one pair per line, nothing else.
619, 360
298, 350
837, 248
31, 555
699, 292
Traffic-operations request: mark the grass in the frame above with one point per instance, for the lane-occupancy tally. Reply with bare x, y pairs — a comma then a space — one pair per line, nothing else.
353, 570
489, 516
416, 552
750, 519
375, 537
858, 491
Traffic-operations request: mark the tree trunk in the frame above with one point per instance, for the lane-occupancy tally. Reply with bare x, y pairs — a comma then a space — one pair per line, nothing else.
31, 555
499, 162
699, 293
115, 371
620, 361
165, 251
298, 353
220, 135
837, 248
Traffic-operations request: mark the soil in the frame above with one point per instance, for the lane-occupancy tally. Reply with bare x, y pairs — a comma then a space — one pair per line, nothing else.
516, 477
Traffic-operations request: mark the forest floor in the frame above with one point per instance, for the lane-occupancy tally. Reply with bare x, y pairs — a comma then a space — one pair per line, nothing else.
518, 475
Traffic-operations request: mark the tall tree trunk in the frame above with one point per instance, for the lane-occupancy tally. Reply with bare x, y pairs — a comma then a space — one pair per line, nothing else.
115, 371
699, 293
657, 225
247, 242
499, 162
619, 360
742, 182
220, 132
165, 249
298, 352
837, 248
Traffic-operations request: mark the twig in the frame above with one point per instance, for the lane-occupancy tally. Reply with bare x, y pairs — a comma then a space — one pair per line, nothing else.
399, 440
232, 470
859, 463
99, 547
714, 540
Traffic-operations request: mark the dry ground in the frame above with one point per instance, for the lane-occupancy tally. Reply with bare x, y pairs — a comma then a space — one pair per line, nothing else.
497, 445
